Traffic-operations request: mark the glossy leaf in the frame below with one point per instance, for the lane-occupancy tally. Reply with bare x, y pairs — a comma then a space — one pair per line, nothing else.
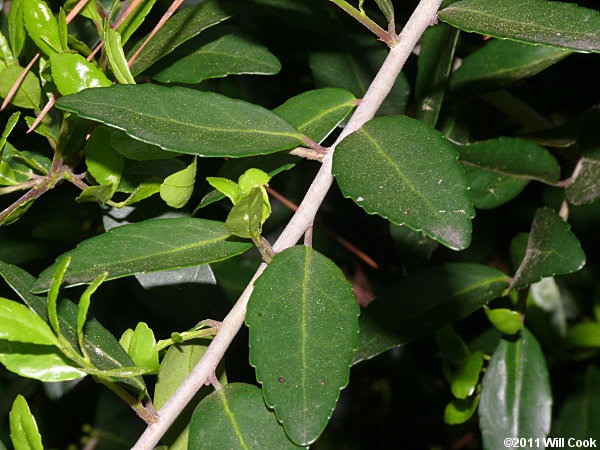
579, 416
303, 325
466, 376
16, 28
102, 161
519, 372
460, 410
231, 54
498, 170
424, 302
29, 93
24, 432
183, 26
10, 125
41, 362
556, 24
116, 57
185, 120
148, 246
317, 113
433, 70
7, 175
41, 26
102, 347
236, 417
177, 188
18, 323
142, 347
505, 320
72, 73
502, 63
380, 167
551, 249
586, 186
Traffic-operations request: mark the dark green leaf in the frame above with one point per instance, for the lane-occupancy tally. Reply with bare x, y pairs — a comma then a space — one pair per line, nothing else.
551, 249
502, 63
231, 54
102, 347
433, 70
148, 246
20, 324
134, 20
424, 302
414, 247
586, 186
138, 172
23, 429
177, 188
185, 120
460, 410
235, 417
303, 325
133, 149
28, 95
505, 320
580, 414
97, 194
451, 345
381, 168
556, 24
41, 362
519, 372
181, 27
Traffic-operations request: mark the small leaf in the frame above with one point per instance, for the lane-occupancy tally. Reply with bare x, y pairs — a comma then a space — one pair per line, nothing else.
24, 432
551, 249
7, 175
116, 57
451, 345
505, 320
303, 325
10, 125
466, 376
40, 362
41, 26
380, 167
125, 340
500, 63
16, 28
146, 189
83, 308
556, 24
460, 410
6, 55
519, 372
253, 178
247, 216
227, 187
97, 194
424, 302
29, 93
134, 20
317, 113
586, 186
387, 8
142, 347
231, 54
102, 161
586, 335
177, 188
197, 123
18, 323
72, 73
148, 246
235, 416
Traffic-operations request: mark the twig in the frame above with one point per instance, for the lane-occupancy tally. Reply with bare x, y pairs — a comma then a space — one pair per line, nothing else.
377, 92
21, 186
361, 17
17, 84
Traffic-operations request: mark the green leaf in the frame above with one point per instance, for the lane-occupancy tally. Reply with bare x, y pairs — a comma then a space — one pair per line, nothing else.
433, 70
586, 335
177, 188
303, 325
83, 308
18, 323
7, 176
102, 347
519, 372
317, 113
235, 416
502, 63
551, 249
387, 8
29, 93
498, 170
414, 247
174, 368
16, 28
140, 151
138, 172
226, 187
135, 19
185, 120
247, 216
102, 161
253, 178
380, 167
460, 410
96, 194
586, 186
142, 348
579, 416
41, 26
505, 320
451, 345
116, 57
183, 26
145, 189
351, 64
72, 73
466, 376
125, 340
556, 24
424, 302
10, 125
6, 56
231, 54
17, 213
24, 432
41, 362
148, 246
